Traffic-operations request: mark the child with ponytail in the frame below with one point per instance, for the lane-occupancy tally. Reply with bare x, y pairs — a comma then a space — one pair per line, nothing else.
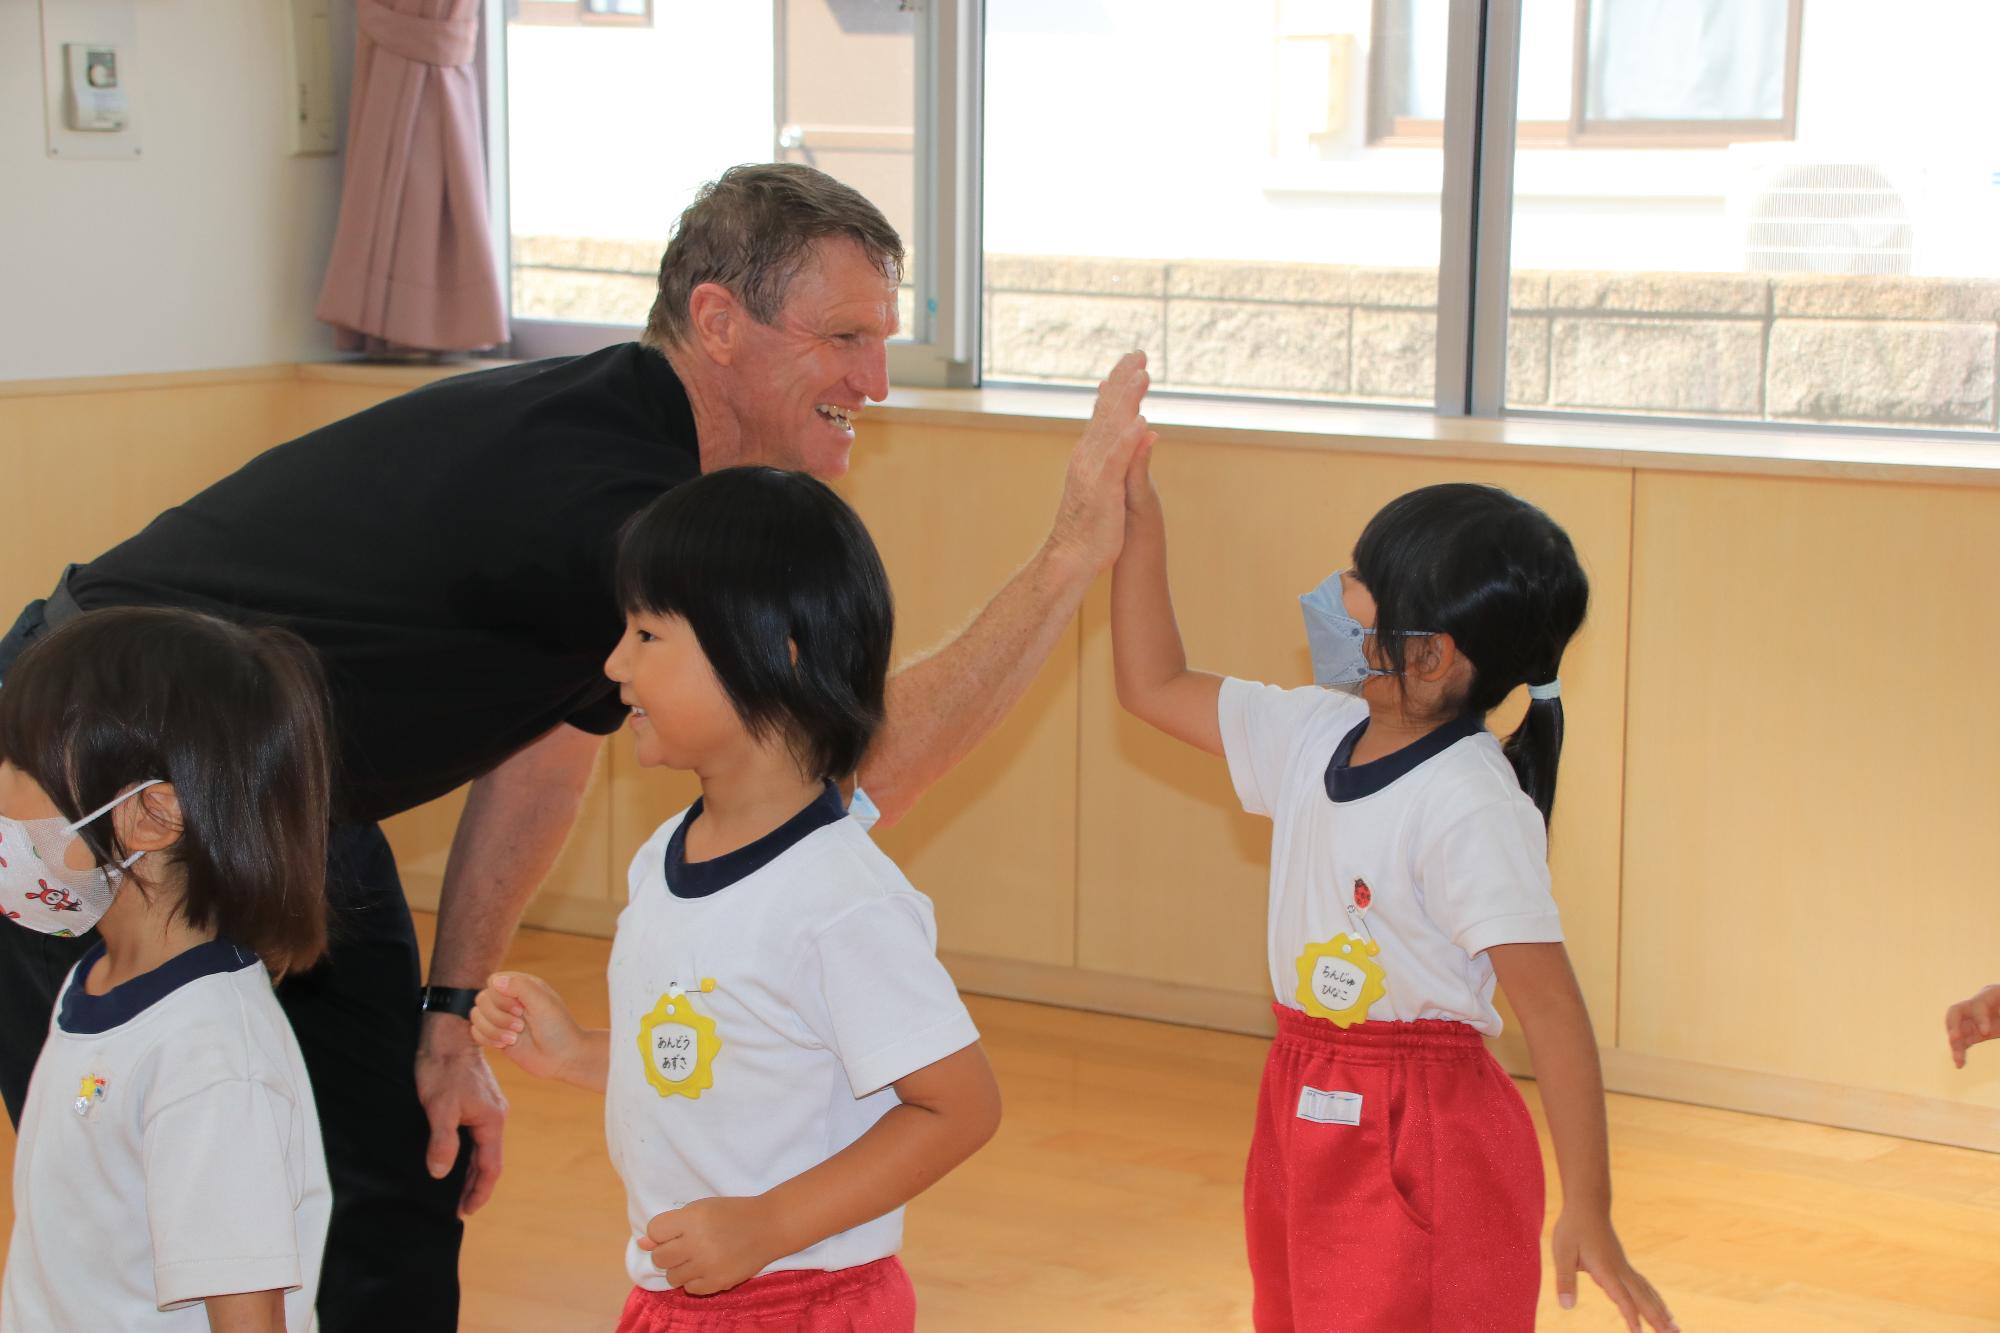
1394, 1180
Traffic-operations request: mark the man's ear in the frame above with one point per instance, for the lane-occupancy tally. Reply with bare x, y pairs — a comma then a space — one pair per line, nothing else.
716, 318
150, 821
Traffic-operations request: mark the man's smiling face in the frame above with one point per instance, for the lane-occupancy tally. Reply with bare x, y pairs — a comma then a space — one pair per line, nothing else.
797, 384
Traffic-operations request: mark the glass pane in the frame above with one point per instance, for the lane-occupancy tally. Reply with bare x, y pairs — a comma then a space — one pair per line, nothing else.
1411, 56
1409, 64
1847, 275
847, 98
1686, 60
612, 128
1160, 174
1548, 59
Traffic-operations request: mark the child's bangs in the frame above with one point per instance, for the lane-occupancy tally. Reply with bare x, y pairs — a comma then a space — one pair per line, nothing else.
662, 561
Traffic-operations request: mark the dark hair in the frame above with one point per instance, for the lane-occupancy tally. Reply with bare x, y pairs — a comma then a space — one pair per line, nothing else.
751, 230
760, 561
1502, 579
233, 717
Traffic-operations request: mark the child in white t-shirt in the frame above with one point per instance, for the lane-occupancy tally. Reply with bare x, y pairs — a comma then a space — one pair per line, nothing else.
1394, 1179
163, 777
787, 1063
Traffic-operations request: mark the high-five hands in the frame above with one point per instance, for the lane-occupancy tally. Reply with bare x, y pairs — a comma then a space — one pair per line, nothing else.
1090, 520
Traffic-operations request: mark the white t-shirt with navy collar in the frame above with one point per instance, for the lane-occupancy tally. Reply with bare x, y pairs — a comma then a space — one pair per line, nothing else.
169, 1151
762, 1003
1453, 853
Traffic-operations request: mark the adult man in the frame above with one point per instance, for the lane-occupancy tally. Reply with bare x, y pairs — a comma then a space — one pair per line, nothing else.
449, 555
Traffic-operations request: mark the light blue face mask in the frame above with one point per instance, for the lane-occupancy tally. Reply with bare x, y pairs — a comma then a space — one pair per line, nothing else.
1337, 640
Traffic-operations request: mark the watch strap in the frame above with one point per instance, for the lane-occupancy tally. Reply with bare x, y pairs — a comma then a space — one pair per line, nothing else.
448, 1000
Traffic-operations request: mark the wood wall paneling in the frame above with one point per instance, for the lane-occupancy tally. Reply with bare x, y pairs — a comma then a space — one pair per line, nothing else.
955, 513
1812, 745
93, 468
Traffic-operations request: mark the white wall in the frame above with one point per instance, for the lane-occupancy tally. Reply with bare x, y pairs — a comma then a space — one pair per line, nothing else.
205, 252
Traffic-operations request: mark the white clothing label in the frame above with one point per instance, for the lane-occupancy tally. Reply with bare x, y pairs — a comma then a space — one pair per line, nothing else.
1329, 1108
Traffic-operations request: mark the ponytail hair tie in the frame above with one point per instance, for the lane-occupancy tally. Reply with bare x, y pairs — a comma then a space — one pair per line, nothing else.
1552, 690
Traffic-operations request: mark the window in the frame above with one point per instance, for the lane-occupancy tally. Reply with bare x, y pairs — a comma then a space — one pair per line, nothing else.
568, 13
1627, 73
617, 111
1138, 193
1785, 213
1845, 276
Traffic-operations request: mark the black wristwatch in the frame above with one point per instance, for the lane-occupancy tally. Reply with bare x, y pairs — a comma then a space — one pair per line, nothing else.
448, 1000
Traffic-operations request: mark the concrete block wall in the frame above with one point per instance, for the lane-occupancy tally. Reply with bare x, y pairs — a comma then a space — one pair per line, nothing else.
1854, 350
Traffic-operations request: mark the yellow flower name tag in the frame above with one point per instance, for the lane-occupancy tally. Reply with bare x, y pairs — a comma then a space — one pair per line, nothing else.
679, 1045
1340, 978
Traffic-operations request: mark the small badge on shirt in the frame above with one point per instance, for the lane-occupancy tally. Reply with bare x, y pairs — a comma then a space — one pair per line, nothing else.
679, 1044
1339, 979
88, 1094
1329, 1108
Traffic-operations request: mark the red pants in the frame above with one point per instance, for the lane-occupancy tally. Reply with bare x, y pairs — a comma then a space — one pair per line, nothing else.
871, 1298
1419, 1208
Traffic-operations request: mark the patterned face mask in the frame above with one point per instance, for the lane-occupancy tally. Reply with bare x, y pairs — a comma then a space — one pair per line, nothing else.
39, 890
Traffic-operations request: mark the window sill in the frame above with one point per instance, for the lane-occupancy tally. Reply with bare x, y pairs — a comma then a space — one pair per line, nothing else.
1632, 443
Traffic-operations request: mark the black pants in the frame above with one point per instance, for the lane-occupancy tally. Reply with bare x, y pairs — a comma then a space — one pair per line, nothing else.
391, 1262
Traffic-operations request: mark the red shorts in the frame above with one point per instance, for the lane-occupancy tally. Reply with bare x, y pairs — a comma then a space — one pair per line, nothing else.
1419, 1207
869, 1298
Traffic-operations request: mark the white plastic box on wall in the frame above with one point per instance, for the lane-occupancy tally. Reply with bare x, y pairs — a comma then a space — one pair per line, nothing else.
91, 101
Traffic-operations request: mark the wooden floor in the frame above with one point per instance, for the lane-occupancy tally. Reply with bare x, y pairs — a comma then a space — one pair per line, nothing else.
1109, 1200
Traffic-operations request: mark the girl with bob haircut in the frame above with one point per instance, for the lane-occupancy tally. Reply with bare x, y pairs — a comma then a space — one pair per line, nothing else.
787, 1063
164, 778
1394, 1179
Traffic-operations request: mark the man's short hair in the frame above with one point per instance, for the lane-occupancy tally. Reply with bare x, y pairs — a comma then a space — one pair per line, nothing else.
751, 230
784, 590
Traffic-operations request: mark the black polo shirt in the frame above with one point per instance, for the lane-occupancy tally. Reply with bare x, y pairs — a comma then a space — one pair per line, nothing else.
449, 553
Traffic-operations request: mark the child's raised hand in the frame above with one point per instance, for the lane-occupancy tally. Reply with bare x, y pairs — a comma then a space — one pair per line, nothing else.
523, 1016
1593, 1246
1972, 1021
712, 1244
1140, 497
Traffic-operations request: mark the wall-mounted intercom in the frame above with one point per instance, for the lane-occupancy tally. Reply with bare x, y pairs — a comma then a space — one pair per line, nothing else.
93, 98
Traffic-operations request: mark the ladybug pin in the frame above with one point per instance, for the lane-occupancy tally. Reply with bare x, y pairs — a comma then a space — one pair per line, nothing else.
1363, 895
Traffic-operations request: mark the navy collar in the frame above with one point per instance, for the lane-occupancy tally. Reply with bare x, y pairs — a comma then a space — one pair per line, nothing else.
1344, 783
698, 879
84, 1013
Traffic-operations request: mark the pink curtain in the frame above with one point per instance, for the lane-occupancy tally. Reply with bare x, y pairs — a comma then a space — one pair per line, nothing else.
412, 264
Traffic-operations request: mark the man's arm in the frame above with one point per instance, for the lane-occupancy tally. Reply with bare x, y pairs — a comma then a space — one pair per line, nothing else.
514, 824
943, 704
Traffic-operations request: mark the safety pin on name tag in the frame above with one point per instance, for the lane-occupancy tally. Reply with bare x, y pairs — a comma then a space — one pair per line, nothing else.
1329, 1108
